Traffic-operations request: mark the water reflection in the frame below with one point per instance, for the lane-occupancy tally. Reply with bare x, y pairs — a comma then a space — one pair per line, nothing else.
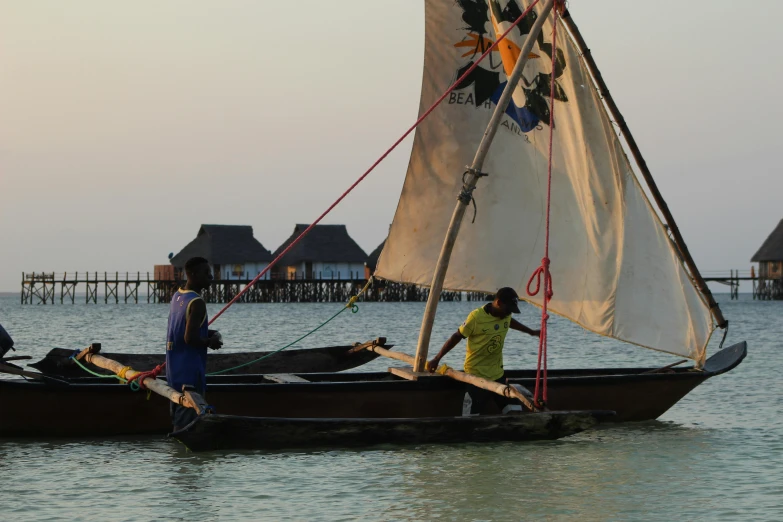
718, 454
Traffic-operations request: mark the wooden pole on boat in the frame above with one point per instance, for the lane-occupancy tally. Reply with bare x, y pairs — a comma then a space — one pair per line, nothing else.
603, 91
188, 399
510, 391
463, 200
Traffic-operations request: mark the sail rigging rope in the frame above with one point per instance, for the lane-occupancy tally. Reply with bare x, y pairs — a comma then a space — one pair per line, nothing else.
95, 374
377, 162
351, 305
543, 271
136, 383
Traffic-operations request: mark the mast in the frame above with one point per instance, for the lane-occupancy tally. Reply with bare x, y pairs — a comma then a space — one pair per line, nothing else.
603, 91
470, 179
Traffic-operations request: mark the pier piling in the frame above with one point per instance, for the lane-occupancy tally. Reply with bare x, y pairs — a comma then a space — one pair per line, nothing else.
40, 288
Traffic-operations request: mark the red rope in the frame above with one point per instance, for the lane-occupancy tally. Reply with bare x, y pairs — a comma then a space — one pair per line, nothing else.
378, 161
543, 270
139, 377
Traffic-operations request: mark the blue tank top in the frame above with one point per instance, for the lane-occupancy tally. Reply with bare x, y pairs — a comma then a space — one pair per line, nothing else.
185, 364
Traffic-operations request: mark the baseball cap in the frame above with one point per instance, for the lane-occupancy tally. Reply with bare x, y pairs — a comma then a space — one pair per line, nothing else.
508, 296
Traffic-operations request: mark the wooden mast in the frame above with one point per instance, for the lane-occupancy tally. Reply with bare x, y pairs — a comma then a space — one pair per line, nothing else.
470, 179
603, 91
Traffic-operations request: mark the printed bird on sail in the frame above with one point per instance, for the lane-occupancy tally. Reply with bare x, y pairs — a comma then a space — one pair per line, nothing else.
529, 106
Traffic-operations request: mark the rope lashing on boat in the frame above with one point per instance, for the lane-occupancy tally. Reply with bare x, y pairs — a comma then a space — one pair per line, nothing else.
351, 305
378, 161
540, 395
137, 381
123, 371
352, 301
442, 369
466, 194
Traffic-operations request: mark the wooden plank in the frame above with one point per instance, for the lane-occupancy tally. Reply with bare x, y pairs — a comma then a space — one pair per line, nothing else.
406, 372
284, 378
16, 358
14, 370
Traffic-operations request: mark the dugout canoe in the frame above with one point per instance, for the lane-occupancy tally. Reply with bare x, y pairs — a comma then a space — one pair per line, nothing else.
212, 432
330, 359
95, 407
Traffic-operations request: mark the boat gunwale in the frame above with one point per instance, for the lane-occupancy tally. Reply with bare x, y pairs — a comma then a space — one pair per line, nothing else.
734, 354
383, 378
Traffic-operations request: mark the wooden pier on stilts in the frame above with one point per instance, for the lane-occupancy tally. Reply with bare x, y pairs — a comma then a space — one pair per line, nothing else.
766, 286
115, 287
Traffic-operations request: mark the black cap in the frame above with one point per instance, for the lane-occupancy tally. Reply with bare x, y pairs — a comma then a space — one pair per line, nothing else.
508, 296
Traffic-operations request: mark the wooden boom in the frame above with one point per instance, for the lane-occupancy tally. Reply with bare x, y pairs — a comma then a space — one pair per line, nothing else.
186, 398
510, 391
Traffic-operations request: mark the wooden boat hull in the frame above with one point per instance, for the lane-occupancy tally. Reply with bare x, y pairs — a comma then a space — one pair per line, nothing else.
330, 359
92, 407
230, 432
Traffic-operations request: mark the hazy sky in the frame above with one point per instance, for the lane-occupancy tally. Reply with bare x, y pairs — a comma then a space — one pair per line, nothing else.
124, 126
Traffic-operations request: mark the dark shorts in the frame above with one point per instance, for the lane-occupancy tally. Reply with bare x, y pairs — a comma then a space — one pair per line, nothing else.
182, 416
484, 402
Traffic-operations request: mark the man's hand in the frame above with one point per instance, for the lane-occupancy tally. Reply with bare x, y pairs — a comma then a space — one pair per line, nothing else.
433, 365
215, 340
535, 333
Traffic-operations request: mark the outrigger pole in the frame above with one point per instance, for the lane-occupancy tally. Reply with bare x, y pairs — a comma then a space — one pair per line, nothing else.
188, 399
470, 179
603, 91
511, 391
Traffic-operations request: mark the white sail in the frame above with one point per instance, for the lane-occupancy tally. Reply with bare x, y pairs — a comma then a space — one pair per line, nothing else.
615, 271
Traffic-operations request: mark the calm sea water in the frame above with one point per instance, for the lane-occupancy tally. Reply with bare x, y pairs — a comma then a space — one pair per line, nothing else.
717, 455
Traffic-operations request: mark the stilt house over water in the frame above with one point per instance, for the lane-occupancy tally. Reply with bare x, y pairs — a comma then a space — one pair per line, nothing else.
770, 260
327, 252
232, 251
372, 260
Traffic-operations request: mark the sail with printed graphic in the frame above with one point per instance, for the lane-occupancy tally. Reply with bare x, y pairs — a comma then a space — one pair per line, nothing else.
615, 271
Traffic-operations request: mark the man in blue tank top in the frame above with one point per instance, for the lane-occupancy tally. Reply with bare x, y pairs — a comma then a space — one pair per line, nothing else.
188, 338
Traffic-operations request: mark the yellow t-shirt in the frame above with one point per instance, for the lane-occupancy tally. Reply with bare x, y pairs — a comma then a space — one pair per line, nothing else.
486, 335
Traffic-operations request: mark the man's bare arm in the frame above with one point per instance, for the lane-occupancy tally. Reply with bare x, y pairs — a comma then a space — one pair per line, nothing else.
197, 313
450, 343
516, 325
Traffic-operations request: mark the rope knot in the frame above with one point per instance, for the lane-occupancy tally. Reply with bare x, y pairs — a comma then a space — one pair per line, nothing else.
352, 301
466, 194
137, 381
541, 270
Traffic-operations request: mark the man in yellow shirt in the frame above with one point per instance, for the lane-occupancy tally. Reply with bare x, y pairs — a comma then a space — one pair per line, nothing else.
486, 329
